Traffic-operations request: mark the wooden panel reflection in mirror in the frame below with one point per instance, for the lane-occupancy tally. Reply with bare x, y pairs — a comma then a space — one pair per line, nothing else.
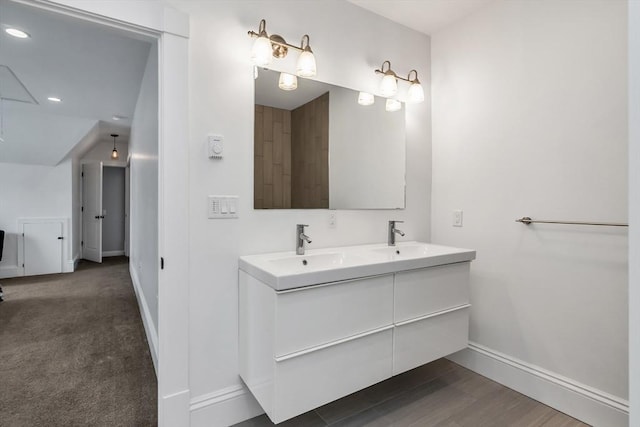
291, 162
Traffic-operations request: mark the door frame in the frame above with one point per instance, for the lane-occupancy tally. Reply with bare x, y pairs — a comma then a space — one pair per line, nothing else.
67, 266
171, 28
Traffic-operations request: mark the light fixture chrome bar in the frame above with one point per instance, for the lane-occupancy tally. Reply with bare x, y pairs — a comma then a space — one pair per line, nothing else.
408, 79
527, 220
262, 31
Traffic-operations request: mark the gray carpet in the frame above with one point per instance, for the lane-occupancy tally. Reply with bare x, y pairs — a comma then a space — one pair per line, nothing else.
73, 350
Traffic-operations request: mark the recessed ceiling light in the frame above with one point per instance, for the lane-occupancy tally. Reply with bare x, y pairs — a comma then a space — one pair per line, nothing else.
17, 33
54, 99
117, 117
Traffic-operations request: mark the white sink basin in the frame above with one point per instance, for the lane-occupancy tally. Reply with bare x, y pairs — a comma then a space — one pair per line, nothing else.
310, 262
286, 270
404, 251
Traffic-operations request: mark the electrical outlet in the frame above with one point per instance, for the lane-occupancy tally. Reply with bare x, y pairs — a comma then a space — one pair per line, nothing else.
457, 218
332, 220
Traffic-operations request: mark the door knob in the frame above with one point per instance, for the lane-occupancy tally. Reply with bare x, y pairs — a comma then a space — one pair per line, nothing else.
60, 238
99, 216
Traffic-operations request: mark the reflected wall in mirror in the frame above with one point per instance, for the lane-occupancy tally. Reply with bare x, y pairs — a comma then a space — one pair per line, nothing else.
316, 147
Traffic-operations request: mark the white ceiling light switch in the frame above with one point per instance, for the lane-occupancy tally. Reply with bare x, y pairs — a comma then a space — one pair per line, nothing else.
220, 207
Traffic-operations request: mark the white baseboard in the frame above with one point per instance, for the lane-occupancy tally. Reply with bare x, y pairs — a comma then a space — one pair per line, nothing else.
8, 271
69, 266
580, 401
149, 327
106, 254
224, 407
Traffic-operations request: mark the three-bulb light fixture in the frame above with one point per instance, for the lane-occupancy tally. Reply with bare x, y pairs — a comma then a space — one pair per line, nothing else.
389, 88
266, 47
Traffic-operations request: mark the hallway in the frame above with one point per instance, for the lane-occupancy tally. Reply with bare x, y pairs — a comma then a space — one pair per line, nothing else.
73, 350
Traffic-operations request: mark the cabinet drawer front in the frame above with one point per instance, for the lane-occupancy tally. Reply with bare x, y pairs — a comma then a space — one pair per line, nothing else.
429, 290
319, 377
318, 315
423, 341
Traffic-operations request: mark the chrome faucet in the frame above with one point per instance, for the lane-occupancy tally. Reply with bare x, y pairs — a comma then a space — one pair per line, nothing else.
391, 241
301, 238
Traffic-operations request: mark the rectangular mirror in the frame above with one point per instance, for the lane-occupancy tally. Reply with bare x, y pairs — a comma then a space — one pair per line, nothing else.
316, 147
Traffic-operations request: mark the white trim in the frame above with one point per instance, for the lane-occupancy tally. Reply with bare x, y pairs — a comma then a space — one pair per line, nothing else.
149, 327
8, 271
224, 407
112, 253
331, 344
68, 266
430, 315
581, 401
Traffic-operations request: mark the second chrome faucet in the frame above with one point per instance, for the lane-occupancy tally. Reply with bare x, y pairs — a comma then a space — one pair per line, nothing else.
301, 238
391, 238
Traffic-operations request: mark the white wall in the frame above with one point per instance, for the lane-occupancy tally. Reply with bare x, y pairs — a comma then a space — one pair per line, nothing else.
221, 101
113, 206
366, 153
530, 119
33, 191
143, 148
634, 212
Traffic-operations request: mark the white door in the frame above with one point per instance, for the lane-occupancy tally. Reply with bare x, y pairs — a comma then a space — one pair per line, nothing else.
42, 248
92, 211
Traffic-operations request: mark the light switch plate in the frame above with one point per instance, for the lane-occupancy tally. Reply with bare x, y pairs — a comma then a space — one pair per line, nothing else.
222, 207
332, 219
215, 146
457, 218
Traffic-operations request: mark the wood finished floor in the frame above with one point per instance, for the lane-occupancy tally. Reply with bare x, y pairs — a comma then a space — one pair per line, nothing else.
440, 394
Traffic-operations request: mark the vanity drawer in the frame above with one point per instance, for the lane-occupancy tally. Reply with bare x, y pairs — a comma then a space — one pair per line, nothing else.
429, 290
421, 341
316, 315
317, 377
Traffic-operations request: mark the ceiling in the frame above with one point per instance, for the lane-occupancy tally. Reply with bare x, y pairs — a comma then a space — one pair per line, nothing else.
425, 16
95, 70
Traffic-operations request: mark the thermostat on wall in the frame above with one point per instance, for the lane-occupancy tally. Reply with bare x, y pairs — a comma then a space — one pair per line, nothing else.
216, 146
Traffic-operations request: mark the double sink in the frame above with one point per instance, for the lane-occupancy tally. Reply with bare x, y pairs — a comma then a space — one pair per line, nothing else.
286, 270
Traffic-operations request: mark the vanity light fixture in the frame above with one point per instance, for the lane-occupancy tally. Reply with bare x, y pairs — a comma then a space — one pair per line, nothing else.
389, 84
266, 47
393, 105
287, 81
365, 98
114, 153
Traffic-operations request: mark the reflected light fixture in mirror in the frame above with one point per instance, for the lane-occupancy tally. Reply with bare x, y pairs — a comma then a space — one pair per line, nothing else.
393, 105
365, 98
389, 84
114, 153
266, 47
287, 81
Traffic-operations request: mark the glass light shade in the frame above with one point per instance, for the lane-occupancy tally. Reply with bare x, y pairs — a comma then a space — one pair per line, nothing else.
306, 66
393, 105
388, 85
288, 81
416, 93
114, 154
365, 98
261, 52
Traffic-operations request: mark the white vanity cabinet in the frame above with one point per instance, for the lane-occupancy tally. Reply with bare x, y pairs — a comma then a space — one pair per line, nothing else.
303, 347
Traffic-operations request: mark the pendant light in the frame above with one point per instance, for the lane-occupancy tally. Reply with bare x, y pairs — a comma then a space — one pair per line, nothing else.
114, 153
